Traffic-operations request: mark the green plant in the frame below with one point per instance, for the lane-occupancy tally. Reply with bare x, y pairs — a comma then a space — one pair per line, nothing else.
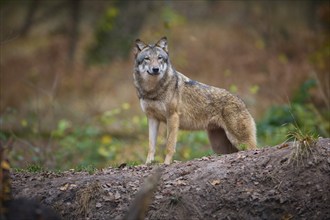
192, 145
35, 168
171, 18
175, 199
304, 145
90, 168
111, 137
76, 146
283, 119
242, 146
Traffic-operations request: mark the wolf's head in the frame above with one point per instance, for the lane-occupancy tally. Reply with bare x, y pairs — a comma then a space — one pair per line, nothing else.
151, 60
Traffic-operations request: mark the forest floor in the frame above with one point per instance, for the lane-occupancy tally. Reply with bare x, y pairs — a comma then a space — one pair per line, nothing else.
268, 183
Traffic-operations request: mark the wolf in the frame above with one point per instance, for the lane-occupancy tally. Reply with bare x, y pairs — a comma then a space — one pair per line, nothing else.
168, 96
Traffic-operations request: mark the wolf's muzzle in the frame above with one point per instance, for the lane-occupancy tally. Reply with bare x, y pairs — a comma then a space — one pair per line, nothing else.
154, 72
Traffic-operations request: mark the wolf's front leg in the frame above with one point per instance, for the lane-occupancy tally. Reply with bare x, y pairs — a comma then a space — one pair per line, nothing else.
153, 132
172, 133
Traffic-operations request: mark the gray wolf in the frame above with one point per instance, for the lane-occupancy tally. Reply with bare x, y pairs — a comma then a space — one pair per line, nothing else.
167, 95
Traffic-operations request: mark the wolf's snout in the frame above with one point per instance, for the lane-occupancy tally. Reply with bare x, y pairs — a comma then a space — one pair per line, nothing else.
155, 69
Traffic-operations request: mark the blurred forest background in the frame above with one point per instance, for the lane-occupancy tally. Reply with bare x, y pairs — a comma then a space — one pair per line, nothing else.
67, 96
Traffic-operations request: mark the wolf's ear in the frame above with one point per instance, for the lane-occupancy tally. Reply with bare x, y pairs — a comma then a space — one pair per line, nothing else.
139, 45
162, 43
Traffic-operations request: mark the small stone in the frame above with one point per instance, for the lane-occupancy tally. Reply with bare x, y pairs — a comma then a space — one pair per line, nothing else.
117, 195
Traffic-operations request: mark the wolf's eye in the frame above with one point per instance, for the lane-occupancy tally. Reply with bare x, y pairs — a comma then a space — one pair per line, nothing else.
147, 59
160, 57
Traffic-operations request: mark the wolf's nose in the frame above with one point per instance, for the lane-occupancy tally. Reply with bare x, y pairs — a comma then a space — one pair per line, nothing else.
155, 70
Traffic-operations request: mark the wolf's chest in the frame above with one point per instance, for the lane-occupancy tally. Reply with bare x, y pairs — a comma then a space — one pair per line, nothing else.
156, 109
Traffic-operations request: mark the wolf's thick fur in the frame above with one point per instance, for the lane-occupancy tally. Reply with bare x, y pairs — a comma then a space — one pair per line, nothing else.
168, 96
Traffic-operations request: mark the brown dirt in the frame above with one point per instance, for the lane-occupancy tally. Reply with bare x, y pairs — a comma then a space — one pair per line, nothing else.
258, 184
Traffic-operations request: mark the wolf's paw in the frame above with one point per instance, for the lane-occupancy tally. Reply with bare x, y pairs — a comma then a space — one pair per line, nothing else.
149, 161
168, 160
150, 158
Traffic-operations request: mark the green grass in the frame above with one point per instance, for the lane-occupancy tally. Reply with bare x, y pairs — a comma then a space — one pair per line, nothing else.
301, 113
89, 168
304, 145
31, 168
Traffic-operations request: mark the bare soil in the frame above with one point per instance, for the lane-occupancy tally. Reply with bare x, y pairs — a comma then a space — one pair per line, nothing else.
259, 184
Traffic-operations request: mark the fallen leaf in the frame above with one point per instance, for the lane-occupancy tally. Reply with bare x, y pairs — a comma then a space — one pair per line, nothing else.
180, 183
283, 146
159, 197
240, 156
215, 182
67, 186
121, 166
73, 186
64, 187
205, 158
109, 197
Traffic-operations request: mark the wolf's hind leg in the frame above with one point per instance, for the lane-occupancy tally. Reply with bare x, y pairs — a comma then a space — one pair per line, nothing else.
219, 141
240, 127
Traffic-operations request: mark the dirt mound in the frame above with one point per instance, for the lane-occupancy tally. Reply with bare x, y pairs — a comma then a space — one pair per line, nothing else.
258, 184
